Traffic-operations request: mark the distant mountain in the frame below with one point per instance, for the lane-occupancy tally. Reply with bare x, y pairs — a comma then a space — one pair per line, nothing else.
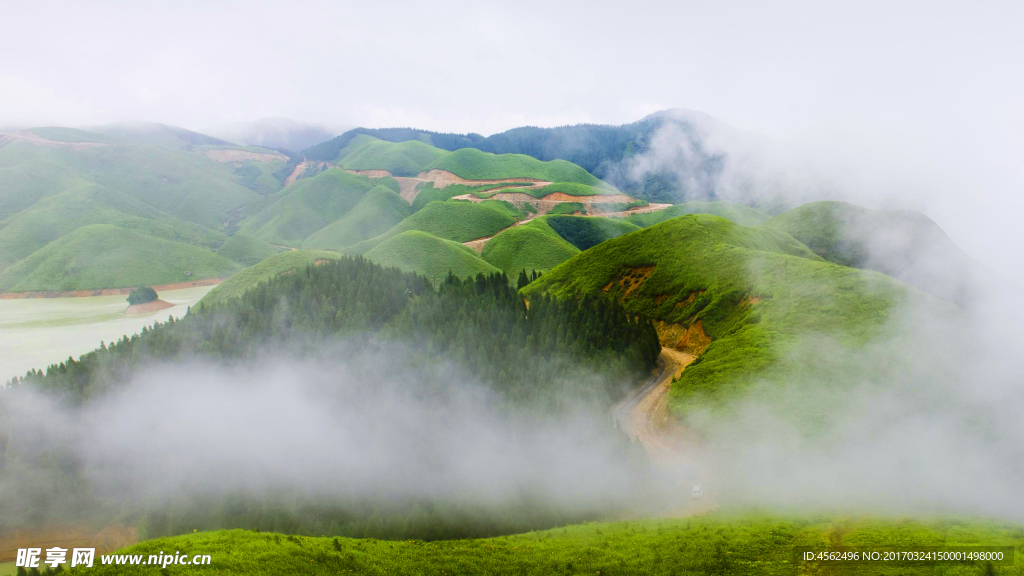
664, 157
276, 133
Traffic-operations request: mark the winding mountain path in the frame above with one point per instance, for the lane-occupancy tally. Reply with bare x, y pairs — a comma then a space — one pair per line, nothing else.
678, 456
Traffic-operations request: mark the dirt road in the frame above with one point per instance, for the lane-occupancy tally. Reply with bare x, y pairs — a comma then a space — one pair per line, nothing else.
678, 456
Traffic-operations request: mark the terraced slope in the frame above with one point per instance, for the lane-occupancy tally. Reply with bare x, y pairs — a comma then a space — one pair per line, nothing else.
428, 255
734, 296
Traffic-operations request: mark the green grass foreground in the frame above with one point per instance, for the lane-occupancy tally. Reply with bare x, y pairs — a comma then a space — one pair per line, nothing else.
719, 543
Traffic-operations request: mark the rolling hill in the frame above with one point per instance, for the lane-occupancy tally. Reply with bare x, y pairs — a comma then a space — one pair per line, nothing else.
306, 206
377, 212
585, 233
904, 244
734, 296
531, 246
86, 204
456, 220
400, 159
247, 250
476, 165
428, 255
271, 267
108, 256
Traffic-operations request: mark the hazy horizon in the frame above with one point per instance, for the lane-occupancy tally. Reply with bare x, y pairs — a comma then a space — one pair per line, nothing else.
910, 106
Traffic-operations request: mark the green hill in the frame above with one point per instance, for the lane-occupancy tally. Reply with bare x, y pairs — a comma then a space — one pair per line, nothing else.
247, 250
73, 135
456, 220
306, 206
715, 543
26, 182
106, 256
473, 164
182, 184
738, 213
532, 246
733, 295
400, 159
433, 257
275, 265
903, 244
379, 211
587, 232
57, 215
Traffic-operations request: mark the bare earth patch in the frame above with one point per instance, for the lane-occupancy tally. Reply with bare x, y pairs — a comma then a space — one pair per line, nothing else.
154, 306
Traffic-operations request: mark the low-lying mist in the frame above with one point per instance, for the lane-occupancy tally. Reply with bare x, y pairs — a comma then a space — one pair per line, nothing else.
926, 418
363, 429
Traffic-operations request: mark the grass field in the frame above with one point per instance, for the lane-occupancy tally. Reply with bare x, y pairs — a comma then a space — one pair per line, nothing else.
376, 213
105, 256
456, 220
428, 255
254, 275
738, 213
747, 291
307, 206
532, 246
718, 543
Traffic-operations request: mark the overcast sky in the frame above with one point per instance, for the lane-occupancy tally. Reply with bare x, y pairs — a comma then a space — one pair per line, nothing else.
923, 101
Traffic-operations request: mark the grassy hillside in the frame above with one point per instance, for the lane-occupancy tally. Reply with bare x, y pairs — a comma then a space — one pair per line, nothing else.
735, 295
73, 135
532, 246
379, 211
25, 182
585, 232
717, 543
247, 250
86, 204
738, 213
401, 159
106, 256
456, 220
433, 257
903, 244
273, 266
183, 184
307, 206
474, 164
